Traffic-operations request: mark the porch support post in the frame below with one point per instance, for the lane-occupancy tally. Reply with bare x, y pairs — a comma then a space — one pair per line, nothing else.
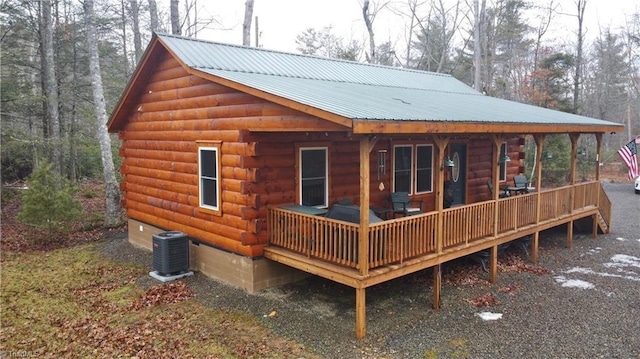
572, 181
495, 179
361, 319
534, 247
441, 142
536, 236
594, 232
493, 264
598, 155
366, 145
437, 285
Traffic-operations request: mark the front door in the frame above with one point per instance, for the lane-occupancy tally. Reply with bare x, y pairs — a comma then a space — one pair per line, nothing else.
458, 173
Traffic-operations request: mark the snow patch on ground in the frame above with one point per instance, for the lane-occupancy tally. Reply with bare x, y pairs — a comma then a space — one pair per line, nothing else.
573, 283
624, 260
620, 239
489, 316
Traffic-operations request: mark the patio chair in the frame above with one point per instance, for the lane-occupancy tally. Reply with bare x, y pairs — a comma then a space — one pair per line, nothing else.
501, 194
401, 204
520, 181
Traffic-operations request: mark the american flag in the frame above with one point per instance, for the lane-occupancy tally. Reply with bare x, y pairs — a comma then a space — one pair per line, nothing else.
629, 154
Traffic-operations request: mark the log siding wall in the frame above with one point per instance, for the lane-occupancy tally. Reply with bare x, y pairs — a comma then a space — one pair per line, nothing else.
258, 166
160, 164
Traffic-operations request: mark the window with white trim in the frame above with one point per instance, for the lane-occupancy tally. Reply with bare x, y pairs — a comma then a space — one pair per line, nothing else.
314, 184
424, 168
503, 164
402, 165
208, 176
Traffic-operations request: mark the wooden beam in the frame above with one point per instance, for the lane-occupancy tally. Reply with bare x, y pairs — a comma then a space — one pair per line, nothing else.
361, 296
441, 143
539, 147
363, 243
495, 179
598, 155
572, 180
534, 247
539, 139
361, 126
493, 265
437, 285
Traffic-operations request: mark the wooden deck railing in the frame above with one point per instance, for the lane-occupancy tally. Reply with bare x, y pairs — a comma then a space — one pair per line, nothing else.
468, 223
604, 205
396, 240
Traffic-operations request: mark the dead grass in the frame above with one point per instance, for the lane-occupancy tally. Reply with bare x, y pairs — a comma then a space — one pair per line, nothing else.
71, 302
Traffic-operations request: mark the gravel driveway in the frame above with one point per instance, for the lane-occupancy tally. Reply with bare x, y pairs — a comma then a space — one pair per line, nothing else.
586, 306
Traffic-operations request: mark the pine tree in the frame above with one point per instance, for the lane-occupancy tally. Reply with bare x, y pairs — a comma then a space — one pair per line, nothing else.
48, 203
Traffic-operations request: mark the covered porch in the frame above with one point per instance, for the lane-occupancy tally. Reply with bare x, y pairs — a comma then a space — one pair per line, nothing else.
396, 247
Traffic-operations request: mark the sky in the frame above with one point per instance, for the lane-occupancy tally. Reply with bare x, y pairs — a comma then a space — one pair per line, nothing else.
280, 21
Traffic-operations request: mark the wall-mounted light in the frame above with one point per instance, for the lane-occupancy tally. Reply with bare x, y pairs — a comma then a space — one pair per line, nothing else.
505, 158
448, 164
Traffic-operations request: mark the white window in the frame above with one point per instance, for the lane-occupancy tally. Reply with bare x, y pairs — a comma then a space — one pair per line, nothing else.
503, 163
407, 171
424, 168
314, 184
209, 180
402, 165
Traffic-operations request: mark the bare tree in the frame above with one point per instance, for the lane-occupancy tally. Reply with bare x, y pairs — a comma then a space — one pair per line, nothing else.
125, 57
50, 85
479, 10
175, 18
542, 28
135, 24
368, 21
112, 217
153, 15
246, 25
369, 13
581, 5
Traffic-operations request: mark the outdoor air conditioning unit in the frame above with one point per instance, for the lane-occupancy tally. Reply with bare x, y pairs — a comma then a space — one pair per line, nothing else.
170, 255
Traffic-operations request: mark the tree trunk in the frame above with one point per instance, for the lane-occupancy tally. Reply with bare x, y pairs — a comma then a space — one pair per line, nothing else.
478, 31
73, 125
153, 15
246, 26
175, 18
112, 216
369, 23
50, 86
135, 24
124, 37
576, 84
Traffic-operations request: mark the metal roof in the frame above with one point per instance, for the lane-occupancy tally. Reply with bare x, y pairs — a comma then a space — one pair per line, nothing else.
359, 91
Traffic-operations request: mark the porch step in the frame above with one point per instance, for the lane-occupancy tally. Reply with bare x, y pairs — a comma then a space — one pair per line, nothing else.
604, 226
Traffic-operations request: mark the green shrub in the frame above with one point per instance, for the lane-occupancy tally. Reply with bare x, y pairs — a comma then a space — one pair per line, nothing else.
48, 203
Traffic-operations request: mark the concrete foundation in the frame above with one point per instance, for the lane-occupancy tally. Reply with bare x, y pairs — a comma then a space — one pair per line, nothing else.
250, 274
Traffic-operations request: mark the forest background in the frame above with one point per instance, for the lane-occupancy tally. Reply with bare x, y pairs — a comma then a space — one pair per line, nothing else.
65, 63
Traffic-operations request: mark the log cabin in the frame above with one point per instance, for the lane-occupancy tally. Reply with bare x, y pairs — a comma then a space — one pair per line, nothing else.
246, 149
